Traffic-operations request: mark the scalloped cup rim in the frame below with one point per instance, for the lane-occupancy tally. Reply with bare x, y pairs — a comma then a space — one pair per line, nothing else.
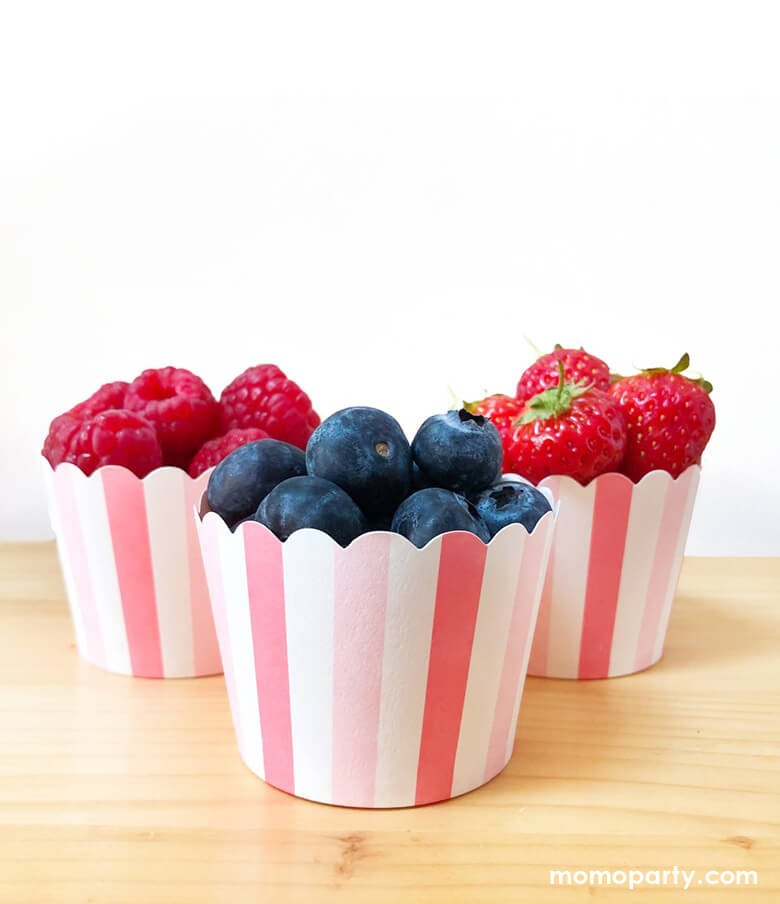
255, 526
122, 469
610, 474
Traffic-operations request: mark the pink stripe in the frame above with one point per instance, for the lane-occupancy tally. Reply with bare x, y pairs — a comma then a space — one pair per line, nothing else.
538, 662
358, 637
213, 564
611, 506
663, 563
516, 645
204, 645
74, 550
461, 566
126, 510
265, 587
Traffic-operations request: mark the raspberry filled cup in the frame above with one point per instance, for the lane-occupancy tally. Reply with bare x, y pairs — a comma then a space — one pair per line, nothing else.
132, 570
124, 470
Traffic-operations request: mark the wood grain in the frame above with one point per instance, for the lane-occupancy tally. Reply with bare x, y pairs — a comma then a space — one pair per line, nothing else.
125, 790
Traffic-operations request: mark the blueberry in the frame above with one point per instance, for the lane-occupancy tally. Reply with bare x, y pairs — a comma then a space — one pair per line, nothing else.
379, 522
511, 502
311, 502
428, 513
458, 450
365, 452
419, 480
240, 481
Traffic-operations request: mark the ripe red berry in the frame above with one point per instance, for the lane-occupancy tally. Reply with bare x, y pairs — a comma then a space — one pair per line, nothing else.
669, 417
62, 428
503, 411
264, 397
578, 367
115, 437
180, 407
212, 452
569, 429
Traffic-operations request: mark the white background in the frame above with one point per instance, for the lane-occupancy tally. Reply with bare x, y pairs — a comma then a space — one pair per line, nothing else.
385, 199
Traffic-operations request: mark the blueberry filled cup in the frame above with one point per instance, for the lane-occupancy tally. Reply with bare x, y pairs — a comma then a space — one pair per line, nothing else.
375, 602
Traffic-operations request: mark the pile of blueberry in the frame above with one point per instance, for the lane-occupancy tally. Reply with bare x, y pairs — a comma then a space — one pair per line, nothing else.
359, 473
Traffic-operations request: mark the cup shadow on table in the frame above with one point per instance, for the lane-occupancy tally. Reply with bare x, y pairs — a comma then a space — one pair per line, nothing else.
703, 634
719, 631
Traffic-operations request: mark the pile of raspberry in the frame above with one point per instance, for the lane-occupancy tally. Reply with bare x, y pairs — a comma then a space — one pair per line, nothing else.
168, 416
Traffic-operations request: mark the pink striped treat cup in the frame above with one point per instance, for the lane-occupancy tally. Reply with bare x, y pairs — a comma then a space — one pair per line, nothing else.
133, 571
380, 675
613, 573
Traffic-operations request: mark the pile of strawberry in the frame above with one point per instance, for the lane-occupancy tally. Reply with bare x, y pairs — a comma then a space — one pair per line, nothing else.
168, 416
571, 416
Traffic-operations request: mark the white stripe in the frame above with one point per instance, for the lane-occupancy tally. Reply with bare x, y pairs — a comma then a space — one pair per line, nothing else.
212, 564
411, 600
67, 575
539, 544
93, 515
644, 523
308, 557
569, 577
499, 588
674, 574
233, 568
166, 508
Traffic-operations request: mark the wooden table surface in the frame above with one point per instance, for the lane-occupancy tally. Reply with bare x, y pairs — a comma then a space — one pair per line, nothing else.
116, 789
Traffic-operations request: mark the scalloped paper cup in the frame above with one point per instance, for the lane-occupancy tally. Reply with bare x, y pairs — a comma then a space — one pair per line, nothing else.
380, 675
613, 573
133, 571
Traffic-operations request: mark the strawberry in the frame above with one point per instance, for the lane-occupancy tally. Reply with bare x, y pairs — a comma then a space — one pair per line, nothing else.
572, 428
502, 410
670, 419
578, 366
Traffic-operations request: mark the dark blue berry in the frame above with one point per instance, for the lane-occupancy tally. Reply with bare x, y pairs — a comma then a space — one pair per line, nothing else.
311, 502
428, 513
365, 452
379, 522
419, 480
240, 481
511, 502
458, 450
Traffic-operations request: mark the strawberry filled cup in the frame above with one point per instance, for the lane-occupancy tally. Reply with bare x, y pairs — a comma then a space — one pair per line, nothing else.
623, 460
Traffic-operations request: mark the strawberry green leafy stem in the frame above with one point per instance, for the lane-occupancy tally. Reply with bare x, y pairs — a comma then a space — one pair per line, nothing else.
553, 402
682, 365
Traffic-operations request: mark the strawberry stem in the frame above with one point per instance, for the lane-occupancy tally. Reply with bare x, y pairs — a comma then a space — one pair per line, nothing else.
683, 364
552, 402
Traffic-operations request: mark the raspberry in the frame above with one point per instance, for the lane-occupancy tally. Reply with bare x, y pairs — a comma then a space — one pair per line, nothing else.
263, 397
212, 452
116, 437
179, 406
57, 442
110, 395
